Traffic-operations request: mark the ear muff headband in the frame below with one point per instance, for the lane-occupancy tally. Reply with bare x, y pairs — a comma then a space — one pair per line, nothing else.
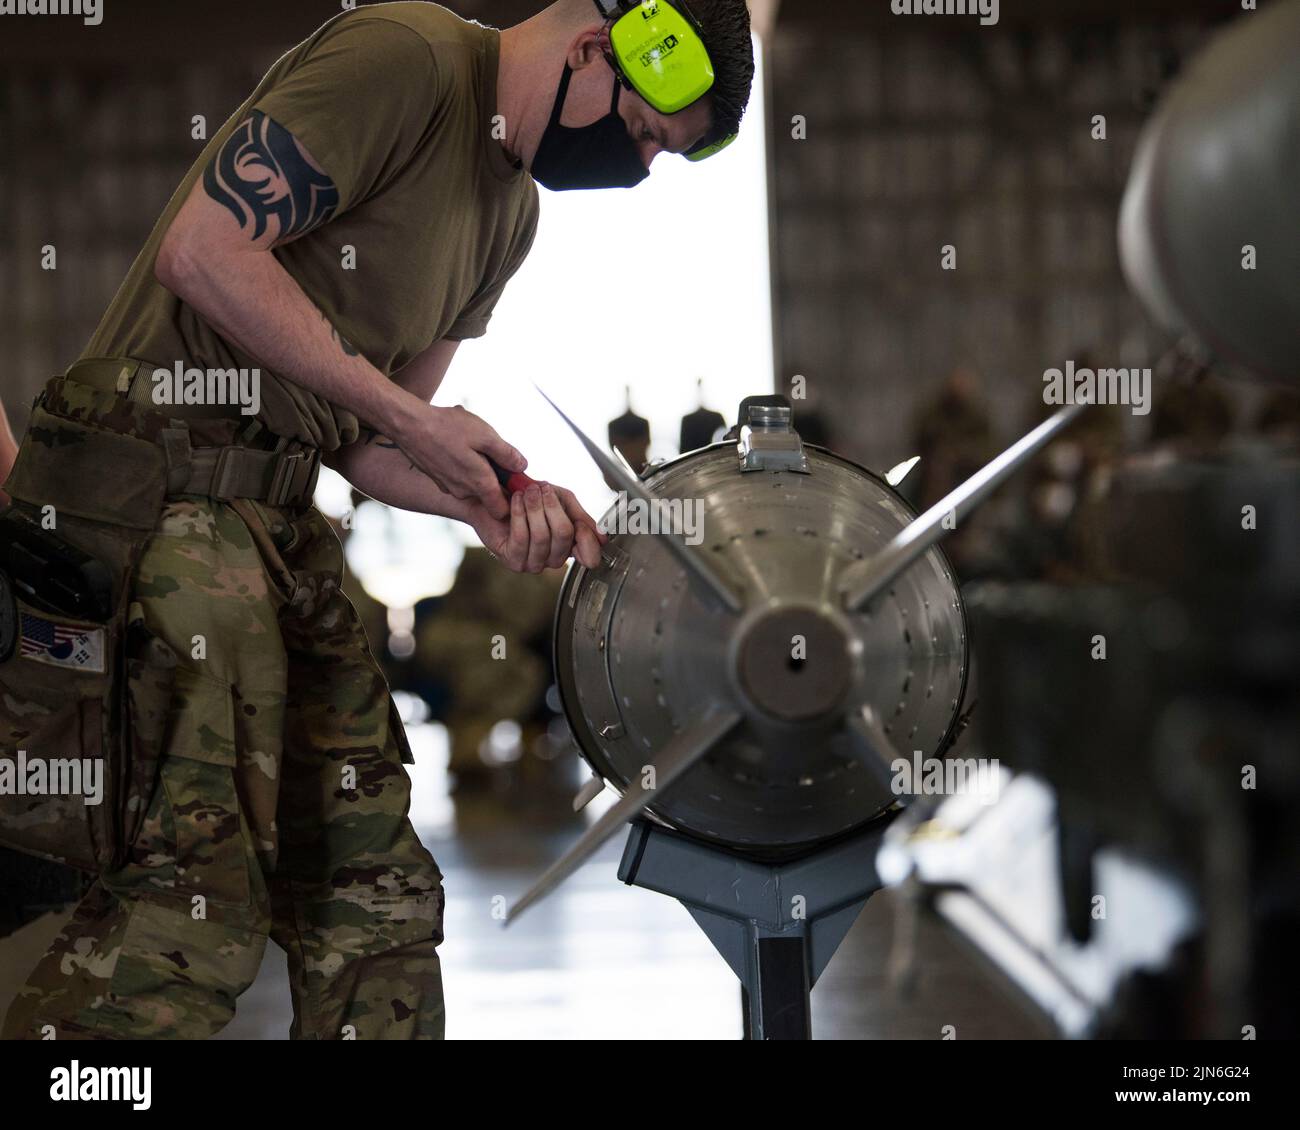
707, 148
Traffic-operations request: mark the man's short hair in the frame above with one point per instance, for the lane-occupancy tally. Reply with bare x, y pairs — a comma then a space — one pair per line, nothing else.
726, 28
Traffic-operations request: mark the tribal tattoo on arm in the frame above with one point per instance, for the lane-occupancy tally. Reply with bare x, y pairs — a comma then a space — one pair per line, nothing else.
371, 438
261, 172
343, 343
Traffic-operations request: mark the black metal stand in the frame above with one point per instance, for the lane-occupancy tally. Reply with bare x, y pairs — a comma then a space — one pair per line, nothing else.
776, 925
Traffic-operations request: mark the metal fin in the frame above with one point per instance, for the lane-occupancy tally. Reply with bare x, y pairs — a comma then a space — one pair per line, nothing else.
589, 792
674, 759
880, 753
863, 582
898, 474
694, 562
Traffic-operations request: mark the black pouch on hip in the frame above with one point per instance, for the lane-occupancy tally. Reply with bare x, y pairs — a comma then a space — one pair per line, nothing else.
73, 773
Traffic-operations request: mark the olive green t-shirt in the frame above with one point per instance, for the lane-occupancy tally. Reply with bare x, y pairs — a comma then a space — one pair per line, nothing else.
396, 103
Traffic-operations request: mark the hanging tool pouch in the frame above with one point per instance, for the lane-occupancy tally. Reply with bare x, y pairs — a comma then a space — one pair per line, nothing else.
85, 687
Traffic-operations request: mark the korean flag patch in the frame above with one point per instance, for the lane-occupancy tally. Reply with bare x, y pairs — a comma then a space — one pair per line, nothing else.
62, 645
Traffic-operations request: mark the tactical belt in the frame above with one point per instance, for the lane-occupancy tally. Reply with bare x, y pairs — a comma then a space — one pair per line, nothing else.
131, 379
283, 476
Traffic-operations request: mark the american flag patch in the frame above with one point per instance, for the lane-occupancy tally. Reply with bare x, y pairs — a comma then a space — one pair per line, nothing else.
62, 645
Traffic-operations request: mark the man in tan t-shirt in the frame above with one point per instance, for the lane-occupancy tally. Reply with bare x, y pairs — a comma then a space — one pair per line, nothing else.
350, 224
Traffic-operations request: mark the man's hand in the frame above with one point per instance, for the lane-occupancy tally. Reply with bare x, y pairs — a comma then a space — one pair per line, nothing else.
541, 528
453, 447
546, 526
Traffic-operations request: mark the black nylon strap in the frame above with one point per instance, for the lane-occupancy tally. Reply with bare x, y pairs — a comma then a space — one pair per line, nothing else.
558, 109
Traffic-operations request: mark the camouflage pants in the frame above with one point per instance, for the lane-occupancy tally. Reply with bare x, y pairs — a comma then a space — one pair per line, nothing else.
281, 811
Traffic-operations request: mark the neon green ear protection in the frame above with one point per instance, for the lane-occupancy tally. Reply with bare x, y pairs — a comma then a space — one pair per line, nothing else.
659, 52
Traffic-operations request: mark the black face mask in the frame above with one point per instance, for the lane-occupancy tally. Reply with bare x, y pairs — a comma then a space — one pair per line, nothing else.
600, 155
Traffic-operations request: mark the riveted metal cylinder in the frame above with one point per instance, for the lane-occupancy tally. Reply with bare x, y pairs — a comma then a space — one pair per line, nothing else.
643, 650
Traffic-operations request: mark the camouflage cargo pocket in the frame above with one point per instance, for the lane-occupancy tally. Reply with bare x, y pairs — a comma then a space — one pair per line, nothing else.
56, 783
192, 838
150, 683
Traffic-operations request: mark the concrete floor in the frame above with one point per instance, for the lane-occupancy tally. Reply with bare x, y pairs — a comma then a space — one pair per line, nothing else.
600, 960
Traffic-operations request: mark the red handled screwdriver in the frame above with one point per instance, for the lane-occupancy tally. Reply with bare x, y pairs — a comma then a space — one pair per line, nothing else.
512, 482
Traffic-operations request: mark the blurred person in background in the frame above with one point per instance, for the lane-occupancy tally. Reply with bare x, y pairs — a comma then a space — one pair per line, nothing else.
486, 647
1049, 524
1278, 419
953, 435
1193, 415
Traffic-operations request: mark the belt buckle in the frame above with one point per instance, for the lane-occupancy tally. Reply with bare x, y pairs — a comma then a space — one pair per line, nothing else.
282, 481
222, 486
309, 487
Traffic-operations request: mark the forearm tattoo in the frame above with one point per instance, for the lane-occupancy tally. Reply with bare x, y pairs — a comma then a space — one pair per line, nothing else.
259, 173
372, 438
343, 343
